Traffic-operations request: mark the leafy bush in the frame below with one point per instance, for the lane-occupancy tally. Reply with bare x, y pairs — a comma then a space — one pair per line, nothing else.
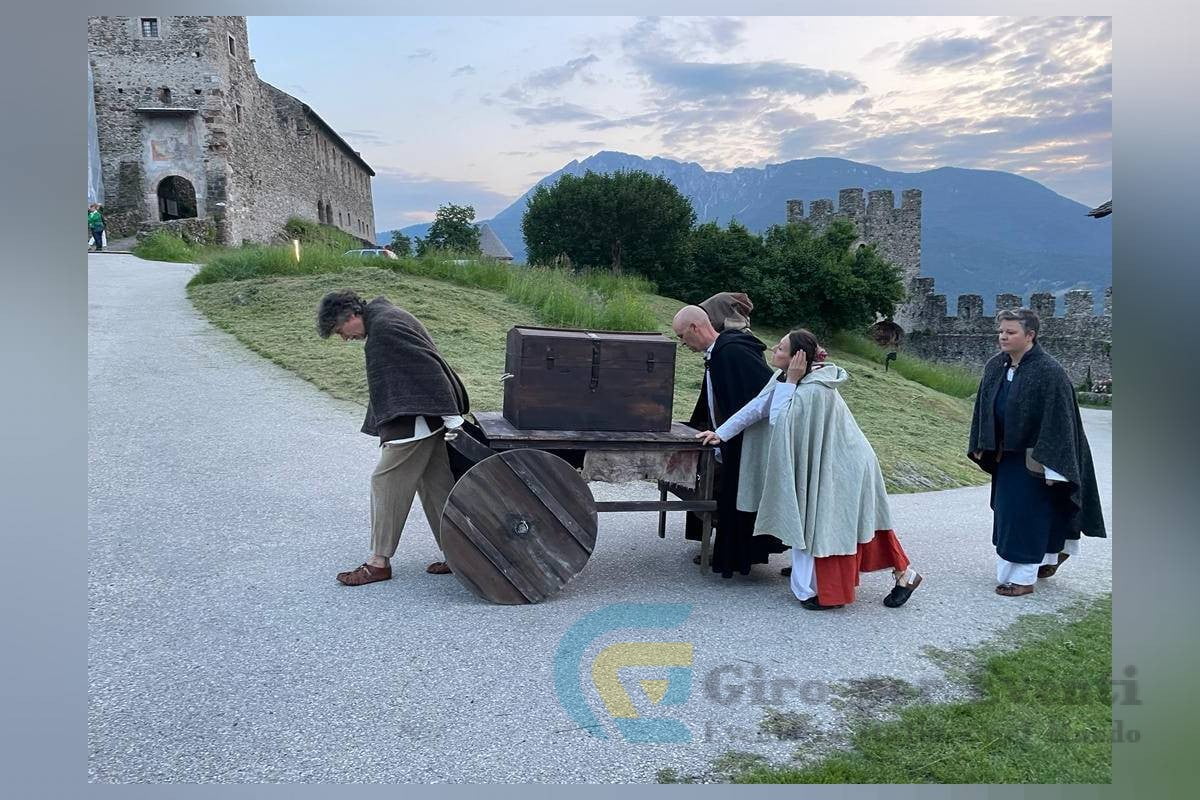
818, 282
718, 260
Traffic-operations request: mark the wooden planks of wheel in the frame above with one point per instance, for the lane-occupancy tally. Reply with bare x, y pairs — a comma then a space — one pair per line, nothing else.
519, 526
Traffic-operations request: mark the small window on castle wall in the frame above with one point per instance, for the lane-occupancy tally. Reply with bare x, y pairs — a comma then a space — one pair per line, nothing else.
164, 95
232, 51
149, 27
237, 113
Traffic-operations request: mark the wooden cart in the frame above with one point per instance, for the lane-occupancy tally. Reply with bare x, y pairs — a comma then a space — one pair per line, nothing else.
520, 522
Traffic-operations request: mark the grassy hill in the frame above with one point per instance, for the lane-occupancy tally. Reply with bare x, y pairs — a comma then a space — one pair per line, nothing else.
919, 434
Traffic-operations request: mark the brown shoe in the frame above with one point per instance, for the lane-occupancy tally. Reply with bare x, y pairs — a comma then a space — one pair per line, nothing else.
438, 568
1048, 570
1014, 589
365, 574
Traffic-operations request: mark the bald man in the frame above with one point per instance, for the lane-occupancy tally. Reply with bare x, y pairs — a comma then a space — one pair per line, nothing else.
734, 372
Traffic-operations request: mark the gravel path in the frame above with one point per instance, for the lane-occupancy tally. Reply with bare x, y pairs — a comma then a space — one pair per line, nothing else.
224, 493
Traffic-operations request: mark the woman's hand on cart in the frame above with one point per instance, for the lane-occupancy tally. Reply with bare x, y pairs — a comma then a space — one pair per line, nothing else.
708, 437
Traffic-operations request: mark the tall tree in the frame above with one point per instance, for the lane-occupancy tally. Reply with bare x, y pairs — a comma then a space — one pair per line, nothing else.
817, 281
453, 228
630, 221
401, 244
718, 260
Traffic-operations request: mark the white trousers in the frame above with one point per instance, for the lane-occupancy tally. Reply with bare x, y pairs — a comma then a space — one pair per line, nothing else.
804, 574
1026, 574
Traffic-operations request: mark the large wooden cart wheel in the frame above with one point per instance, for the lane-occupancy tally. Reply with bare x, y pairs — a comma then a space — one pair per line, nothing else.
518, 526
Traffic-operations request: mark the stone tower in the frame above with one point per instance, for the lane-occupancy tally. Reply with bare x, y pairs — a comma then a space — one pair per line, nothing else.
895, 232
187, 130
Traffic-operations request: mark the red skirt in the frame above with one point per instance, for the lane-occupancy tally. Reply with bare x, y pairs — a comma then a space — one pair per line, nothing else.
837, 576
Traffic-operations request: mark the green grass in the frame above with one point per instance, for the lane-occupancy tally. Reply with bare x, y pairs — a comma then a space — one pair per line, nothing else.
276, 317
919, 435
163, 246
586, 301
945, 378
325, 236
559, 298
260, 261
1044, 716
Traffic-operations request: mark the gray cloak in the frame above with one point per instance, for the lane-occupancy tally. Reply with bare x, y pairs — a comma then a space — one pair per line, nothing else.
812, 476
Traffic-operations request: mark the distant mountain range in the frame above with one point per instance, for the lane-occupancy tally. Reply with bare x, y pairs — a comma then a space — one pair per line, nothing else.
983, 232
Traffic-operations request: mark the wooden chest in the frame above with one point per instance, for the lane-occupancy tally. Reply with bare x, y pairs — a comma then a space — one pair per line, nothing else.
562, 379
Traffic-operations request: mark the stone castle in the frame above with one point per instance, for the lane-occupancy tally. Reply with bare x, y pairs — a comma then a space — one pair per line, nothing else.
1081, 340
187, 131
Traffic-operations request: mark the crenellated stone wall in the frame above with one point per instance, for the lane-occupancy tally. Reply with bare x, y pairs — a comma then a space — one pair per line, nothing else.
1080, 339
923, 326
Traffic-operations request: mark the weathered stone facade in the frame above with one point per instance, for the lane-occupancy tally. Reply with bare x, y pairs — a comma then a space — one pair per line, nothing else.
894, 232
187, 129
1081, 340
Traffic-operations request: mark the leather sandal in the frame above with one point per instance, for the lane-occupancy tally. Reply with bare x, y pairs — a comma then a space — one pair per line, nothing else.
365, 574
1014, 589
1048, 570
439, 568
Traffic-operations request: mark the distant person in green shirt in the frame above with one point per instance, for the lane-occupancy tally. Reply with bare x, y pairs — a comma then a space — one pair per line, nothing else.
96, 225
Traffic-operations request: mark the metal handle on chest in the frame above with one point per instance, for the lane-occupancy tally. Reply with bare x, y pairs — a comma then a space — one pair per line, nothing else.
595, 381
549, 358
650, 362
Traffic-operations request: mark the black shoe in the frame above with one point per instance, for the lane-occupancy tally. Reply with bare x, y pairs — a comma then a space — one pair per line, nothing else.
812, 605
786, 572
900, 594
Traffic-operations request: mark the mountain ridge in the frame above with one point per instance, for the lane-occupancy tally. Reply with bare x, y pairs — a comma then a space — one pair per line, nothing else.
983, 231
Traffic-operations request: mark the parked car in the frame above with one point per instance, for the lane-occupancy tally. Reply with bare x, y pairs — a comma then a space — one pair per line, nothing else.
372, 253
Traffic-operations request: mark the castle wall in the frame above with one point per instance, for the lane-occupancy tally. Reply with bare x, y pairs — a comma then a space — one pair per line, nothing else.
254, 155
1078, 338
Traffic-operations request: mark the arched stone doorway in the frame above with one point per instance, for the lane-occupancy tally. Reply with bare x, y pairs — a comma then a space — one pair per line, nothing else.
176, 198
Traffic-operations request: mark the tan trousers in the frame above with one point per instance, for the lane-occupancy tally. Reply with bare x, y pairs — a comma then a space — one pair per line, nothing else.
419, 467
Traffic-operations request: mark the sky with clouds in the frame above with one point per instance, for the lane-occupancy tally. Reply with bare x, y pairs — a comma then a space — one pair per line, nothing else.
476, 109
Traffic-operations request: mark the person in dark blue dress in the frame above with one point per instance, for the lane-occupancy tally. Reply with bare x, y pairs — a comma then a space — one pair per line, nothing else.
1027, 433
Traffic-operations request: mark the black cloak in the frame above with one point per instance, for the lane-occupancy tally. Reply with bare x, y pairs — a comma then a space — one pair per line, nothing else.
1041, 418
737, 371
